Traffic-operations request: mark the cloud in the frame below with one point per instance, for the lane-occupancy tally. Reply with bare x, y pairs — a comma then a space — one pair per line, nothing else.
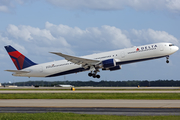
169, 5
28, 33
38, 38
3, 8
19, 32
76, 41
149, 36
173, 5
8, 5
106, 36
4, 41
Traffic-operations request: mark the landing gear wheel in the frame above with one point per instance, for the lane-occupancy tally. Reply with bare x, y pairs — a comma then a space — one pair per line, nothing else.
167, 61
98, 76
94, 74
90, 74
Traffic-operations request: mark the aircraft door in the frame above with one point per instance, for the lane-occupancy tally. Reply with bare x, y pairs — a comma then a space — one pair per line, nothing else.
41, 69
161, 47
123, 54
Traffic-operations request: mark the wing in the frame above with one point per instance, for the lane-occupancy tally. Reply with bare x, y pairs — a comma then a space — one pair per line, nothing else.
18, 71
77, 60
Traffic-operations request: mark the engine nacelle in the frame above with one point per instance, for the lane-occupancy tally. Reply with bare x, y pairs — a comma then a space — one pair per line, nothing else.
109, 63
113, 68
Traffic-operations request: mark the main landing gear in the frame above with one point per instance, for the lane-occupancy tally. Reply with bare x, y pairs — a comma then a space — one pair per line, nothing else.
94, 74
167, 59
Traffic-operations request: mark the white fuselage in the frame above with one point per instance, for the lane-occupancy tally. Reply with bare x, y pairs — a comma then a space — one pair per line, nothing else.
123, 56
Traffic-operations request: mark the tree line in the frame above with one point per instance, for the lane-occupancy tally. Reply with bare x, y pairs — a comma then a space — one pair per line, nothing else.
102, 83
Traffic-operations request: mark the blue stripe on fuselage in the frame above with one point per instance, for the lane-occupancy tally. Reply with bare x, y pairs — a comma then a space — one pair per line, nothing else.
68, 72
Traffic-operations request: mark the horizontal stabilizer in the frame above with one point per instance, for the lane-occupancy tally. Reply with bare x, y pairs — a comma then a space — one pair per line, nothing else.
18, 71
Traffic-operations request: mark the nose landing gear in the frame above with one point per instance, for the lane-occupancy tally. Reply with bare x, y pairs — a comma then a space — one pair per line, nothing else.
167, 59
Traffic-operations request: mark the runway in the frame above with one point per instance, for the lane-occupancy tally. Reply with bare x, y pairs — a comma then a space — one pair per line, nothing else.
82, 91
94, 88
92, 106
99, 111
90, 103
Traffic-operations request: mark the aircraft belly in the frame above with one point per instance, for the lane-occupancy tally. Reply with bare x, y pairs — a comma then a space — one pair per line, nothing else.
66, 70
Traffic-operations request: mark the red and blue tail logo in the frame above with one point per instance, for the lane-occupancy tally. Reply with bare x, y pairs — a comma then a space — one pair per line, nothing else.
19, 60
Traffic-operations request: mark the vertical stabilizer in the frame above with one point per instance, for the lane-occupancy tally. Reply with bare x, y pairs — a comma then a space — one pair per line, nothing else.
19, 60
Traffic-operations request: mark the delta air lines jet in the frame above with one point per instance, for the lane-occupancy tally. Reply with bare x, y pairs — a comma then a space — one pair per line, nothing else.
106, 61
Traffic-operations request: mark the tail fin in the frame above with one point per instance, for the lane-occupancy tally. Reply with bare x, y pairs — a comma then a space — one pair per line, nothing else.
20, 61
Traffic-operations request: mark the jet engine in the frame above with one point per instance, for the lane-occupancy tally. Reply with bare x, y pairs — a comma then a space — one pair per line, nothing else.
113, 68
108, 63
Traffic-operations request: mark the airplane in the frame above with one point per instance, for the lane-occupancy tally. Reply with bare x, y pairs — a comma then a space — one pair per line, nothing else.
111, 61
64, 86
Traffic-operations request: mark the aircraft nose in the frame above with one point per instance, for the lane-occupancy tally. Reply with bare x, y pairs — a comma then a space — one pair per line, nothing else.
176, 48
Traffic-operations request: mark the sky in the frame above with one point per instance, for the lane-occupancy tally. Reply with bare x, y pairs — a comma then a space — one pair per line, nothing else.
82, 27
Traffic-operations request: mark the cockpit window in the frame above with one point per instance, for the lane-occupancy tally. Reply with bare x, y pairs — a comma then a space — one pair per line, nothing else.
171, 45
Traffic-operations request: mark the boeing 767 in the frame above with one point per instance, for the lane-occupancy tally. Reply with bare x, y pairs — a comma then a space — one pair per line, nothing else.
111, 60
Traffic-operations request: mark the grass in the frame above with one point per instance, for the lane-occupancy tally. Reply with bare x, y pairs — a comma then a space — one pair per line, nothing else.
152, 96
72, 116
